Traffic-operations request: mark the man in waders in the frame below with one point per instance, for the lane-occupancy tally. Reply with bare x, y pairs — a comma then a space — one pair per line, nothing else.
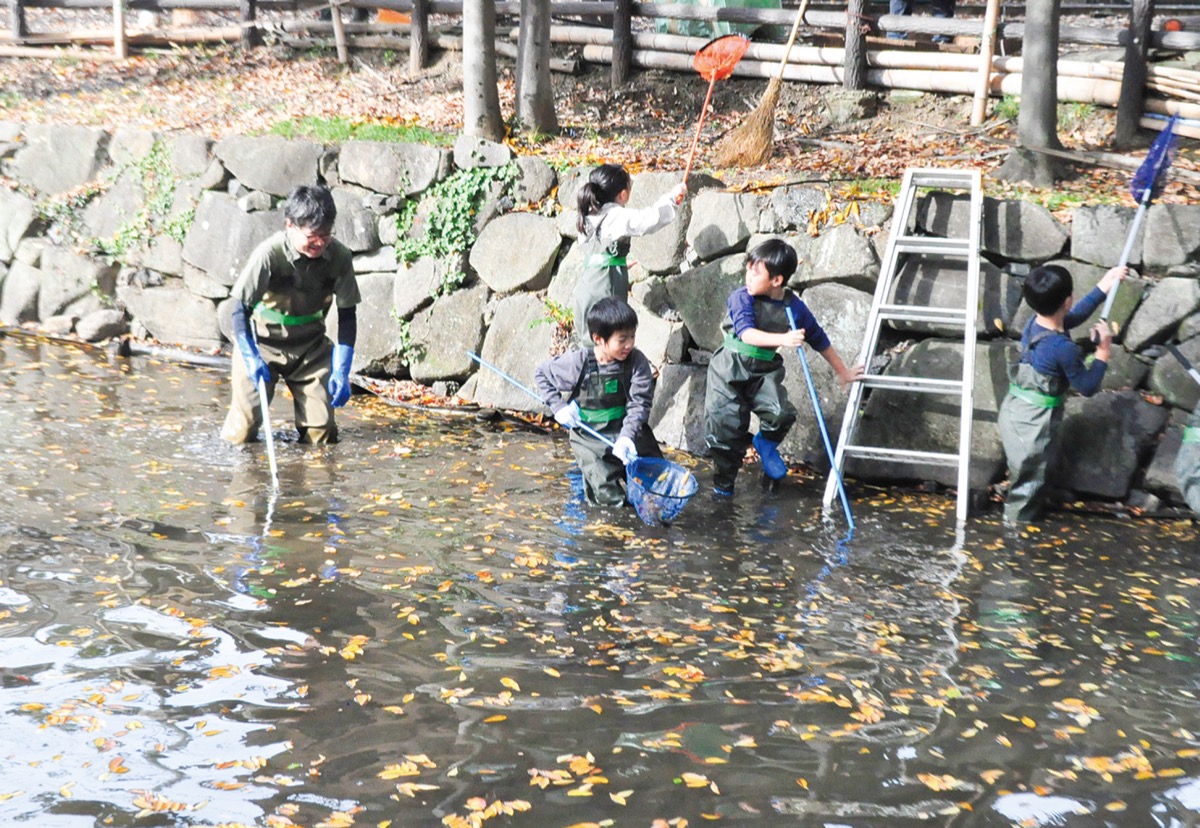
1049, 364
288, 286
1187, 462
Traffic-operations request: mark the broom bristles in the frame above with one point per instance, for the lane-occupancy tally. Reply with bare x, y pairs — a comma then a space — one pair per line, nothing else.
752, 142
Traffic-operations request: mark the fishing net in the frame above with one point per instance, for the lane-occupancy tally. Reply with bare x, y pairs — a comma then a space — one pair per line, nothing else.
715, 60
658, 489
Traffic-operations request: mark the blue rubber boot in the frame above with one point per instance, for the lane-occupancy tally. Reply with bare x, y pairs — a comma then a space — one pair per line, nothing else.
772, 464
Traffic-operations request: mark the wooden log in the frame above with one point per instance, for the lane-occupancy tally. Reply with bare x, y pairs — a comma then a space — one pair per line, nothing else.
16, 19
986, 49
561, 65
54, 53
1129, 107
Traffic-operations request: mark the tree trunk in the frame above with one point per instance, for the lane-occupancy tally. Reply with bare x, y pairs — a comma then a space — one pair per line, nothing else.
1133, 79
481, 100
1037, 121
622, 42
535, 93
418, 49
855, 76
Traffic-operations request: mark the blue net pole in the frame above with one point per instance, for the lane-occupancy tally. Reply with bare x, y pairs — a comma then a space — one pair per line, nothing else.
816, 403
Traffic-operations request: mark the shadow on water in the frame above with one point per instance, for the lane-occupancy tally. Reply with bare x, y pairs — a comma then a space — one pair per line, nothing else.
425, 625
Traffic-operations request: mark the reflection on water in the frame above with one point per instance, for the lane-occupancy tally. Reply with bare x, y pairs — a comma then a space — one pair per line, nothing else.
425, 626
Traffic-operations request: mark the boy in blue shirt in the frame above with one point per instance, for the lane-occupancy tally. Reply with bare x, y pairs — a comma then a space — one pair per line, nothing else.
746, 373
1050, 362
611, 388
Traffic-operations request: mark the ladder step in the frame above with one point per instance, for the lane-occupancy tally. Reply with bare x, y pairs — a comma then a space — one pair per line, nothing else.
923, 385
923, 313
932, 458
943, 178
933, 246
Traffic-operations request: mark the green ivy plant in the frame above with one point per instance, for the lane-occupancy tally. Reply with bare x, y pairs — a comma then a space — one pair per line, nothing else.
449, 228
158, 197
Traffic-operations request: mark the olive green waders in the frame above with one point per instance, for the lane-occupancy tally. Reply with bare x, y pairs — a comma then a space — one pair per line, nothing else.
605, 274
1029, 418
1187, 462
303, 363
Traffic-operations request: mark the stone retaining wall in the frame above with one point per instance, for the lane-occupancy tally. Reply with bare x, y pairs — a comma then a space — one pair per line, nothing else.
103, 234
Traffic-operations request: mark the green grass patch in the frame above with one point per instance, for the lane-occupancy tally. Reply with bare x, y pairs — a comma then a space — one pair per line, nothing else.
339, 130
1007, 108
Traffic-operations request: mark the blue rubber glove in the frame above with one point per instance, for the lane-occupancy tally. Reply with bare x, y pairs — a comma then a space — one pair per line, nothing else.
624, 450
256, 369
568, 416
339, 380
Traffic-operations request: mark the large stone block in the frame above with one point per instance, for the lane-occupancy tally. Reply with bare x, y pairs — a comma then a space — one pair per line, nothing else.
1102, 441
516, 344
1125, 370
1020, 230
841, 254
419, 282
471, 152
356, 225
566, 276
842, 313
700, 296
222, 236
1164, 306
1169, 379
1172, 234
662, 250
117, 207
55, 159
391, 168
17, 216
443, 334
1160, 476
942, 283
721, 223
536, 180
102, 324
793, 206
173, 314
19, 294
378, 341
269, 163
677, 416
661, 340
68, 277
1098, 235
191, 154
516, 252
129, 145
930, 422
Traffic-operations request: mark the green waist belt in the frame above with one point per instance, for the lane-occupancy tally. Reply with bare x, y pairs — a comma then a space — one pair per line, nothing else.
602, 415
1191, 434
1035, 397
604, 260
736, 345
280, 318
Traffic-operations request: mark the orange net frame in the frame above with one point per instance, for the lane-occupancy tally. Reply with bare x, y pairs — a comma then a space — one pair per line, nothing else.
715, 60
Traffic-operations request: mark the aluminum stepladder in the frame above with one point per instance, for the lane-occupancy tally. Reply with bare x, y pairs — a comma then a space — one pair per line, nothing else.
902, 245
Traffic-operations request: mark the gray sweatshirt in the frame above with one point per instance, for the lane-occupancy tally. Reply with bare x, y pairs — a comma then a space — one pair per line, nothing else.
558, 375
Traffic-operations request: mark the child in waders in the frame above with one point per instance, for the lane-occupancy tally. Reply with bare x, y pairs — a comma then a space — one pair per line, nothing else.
1187, 462
609, 386
746, 373
605, 226
1050, 362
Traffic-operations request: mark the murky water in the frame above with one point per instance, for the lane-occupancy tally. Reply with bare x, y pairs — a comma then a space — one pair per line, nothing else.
423, 628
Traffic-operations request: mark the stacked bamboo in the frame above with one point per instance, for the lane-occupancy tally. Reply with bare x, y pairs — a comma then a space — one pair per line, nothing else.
1176, 90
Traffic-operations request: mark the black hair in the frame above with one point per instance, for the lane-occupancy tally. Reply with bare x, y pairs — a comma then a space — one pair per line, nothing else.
310, 207
604, 185
610, 315
1046, 288
777, 256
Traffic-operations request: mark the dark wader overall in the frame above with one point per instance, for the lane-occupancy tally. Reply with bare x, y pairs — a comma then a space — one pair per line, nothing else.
1028, 420
605, 273
1187, 462
743, 378
296, 349
602, 406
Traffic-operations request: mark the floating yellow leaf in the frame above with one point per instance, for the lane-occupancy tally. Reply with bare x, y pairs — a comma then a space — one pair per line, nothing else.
550, 671
511, 684
497, 718
620, 797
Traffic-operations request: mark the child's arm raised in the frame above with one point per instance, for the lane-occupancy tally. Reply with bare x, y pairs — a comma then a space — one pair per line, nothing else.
846, 375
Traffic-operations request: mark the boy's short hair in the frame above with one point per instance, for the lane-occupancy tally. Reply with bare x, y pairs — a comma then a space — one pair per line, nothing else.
610, 315
777, 256
310, 207
1047, 287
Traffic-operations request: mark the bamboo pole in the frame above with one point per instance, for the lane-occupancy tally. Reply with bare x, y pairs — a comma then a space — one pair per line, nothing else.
986, 50
120, 48
339, 33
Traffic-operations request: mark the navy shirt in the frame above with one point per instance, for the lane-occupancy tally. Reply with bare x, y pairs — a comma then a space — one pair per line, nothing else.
741, 314
1058, 356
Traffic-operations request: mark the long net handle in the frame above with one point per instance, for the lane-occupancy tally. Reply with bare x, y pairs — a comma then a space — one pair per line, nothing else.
1127, 251
699, 125
787, 52
265, 405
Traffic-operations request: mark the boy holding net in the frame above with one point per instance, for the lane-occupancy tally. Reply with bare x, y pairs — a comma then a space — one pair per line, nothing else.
610, 387
746, 373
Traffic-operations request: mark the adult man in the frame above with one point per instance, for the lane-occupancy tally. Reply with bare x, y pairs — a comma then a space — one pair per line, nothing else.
288, 286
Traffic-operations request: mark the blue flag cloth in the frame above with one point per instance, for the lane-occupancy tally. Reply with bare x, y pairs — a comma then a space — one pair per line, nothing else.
1151, 176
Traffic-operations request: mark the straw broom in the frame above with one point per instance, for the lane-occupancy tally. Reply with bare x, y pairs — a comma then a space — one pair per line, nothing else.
751, 143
